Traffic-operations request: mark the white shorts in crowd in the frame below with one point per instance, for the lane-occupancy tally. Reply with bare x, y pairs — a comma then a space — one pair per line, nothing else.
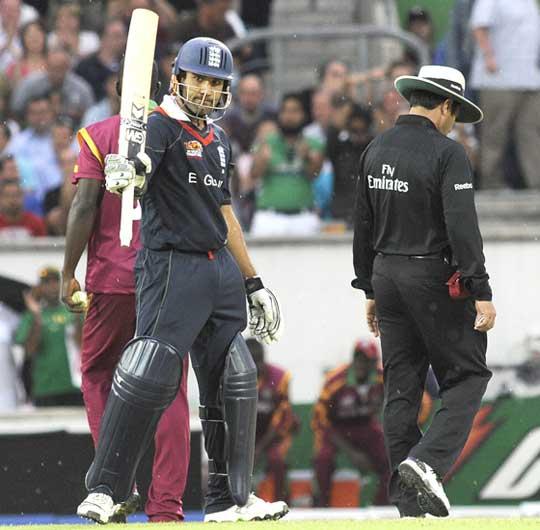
270, 223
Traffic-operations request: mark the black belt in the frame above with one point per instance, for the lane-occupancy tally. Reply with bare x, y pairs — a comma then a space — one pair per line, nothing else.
286, 212
438, 256
210, 254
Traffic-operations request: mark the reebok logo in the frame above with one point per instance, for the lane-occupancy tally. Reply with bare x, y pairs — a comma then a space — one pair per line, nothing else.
464, 186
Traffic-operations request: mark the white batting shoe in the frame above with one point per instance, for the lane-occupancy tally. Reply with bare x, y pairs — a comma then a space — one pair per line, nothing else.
255, 510
230, 515
431, 496
258, 510
97, 507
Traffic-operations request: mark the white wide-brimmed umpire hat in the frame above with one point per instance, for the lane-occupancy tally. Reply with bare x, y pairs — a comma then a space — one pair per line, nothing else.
444, 81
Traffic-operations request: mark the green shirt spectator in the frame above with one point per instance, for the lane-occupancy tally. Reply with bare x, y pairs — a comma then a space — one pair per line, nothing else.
286, 187
50, 335
284, 165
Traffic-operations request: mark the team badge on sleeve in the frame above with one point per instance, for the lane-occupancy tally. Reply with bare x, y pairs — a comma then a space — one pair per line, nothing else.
194, 149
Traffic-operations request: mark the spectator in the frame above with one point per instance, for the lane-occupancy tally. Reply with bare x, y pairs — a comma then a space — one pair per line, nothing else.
15, 222
58, 200
506, 73
399, 68
13, 15
99, 66
34, 49
74, 92
210, 19
63, 130
346, 418
344, 146
106, 107
51, 337
246, 115
333, 79
8, 168
242, 123
256, 14
165, 64
529, 370
11, 307
389, 108
5, 136
67, 32
464, 134
323, 185
284, 166
5, 111
167, 18
33, 149
460, 40
420, 23
124, 8
276, 421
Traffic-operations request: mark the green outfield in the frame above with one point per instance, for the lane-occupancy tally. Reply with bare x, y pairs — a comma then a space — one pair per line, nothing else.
385, 524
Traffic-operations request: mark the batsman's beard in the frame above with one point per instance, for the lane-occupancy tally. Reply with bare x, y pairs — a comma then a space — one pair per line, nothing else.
209, 100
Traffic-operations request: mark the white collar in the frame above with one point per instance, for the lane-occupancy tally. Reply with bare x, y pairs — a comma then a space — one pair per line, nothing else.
172, 109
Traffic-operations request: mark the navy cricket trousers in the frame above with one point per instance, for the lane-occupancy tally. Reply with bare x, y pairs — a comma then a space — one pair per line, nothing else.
195, 302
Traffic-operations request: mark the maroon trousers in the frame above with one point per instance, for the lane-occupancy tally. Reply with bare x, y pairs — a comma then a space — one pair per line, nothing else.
367, 438
109, 325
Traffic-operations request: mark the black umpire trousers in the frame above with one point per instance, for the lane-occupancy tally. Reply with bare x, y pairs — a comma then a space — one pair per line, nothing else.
421, 325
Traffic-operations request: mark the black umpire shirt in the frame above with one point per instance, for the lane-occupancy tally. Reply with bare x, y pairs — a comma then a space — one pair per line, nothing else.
415, 197
187, 187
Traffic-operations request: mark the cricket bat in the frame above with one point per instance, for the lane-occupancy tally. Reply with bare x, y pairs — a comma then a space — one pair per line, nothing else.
136, 81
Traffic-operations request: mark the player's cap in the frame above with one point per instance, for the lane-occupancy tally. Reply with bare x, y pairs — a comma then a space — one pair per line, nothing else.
367, 348
49, 273
418, 13
443, 81
205, 56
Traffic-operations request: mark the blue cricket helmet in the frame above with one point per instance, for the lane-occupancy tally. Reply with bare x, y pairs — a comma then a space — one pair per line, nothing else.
205, 56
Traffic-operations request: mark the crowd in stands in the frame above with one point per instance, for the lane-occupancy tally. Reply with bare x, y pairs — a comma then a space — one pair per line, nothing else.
294, 174
295, 158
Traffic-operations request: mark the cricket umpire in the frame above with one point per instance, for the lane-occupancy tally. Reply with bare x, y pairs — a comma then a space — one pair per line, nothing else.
418, 257
193, 273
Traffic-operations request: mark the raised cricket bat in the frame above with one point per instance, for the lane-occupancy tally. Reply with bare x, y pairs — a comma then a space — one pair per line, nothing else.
136, 81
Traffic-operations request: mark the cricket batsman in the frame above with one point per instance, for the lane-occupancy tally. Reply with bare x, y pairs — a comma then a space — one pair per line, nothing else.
94, 221
193, 273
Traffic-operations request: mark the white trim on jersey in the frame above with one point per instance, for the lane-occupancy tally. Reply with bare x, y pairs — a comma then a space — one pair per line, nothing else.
172, 109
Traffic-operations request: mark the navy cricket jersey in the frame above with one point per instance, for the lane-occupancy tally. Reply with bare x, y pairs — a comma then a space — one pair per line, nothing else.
188, 184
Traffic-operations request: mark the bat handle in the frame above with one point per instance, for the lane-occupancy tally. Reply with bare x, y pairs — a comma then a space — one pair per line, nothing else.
126, 216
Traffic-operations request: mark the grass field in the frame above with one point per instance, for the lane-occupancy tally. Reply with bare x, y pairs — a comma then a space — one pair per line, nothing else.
404, 524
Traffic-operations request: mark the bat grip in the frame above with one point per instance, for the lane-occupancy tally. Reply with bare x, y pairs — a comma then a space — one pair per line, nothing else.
126, 215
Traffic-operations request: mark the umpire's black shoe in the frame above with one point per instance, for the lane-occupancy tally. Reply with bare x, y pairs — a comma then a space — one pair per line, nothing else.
407, 503
126, 508
431, 496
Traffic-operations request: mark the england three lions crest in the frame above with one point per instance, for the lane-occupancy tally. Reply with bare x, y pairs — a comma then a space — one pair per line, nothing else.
194, 149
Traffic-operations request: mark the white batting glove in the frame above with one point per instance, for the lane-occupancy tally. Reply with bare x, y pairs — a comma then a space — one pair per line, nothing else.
265, 320
120, 172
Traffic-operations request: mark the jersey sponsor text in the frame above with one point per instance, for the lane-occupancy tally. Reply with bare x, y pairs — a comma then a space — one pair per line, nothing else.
387, 181
388, 184
208, 180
